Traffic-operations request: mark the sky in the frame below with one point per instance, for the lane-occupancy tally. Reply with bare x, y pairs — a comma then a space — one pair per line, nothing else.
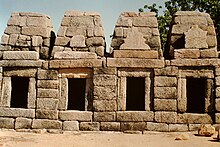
109, 10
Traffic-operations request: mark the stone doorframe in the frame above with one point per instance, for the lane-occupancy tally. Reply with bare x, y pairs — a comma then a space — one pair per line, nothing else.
208, 74
123, 73
64, 74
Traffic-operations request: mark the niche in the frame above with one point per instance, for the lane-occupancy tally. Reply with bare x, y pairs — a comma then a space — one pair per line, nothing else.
19, 93
196, 93
135, 94
76, 94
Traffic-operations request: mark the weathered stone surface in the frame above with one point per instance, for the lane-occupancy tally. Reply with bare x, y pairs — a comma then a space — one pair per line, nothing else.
35, 31
195, 38
105, 105
17, 112
78, 41
209, 53
165, 92
206, 130
37, 41
166, 117
178, 127
89, 126
46, 114
47, 74
151, 54
72, 31
4, 39
133, 126
109, 71
32, 94
37, 22
47, 93
20, 72
104, 92
104, 116
183, 137
104, 80
194, 127
164, 81
217, 118
145, 22
12, 30
13, 39
71, 126
165, 104
124, 22
134, 116
95, 41
22, 123
162, 127
75, 115
75, 63
186, 53
217, 104
21, 55
47, 103
51, 84
46, 124
74, 55
21, 63
6, 92
134, 41
7, 123
208, 73
194, 118
62, 41
110, 126
211, 41
170, 70
126, 62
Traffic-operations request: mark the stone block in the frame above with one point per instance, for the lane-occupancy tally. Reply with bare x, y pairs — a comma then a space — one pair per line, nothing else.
21, 55
6, 91
134, 116
206, 130
165, 104
129, 62
124, 72
110, 126
62, 41
63, 98
104, 80
109, 71
46, 114
31, 101
61, 31
133, 126
135, 54
162, 127
72, 31
217, 118
74, 55
7, 123
104, 92
145, 22
124, 22
35, 31
37, 21
98, 31
75, 115
104, 116
209, 53
187, 53
164, 81
50, 84
95, 41
178, 128
194, 118
104, 105
23, 123
211, 41
47, 103
37, 41
195, 62
118, 32
47, 74
89, 126
194, 127
75, 63
46, 124
21, 63
12, 30
78, 41
4, 39
166, 117
47, 93
170, 70
71, 126
100, 51
13, 39
165, 92
17, 112
20, 72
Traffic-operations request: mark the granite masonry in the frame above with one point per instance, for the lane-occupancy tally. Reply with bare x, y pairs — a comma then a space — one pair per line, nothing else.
69, 82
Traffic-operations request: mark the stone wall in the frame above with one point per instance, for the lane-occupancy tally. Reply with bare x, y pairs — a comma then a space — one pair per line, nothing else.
65, 81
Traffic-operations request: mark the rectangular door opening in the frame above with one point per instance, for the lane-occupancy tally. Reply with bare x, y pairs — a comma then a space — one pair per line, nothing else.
76, 94
196, 90
19, 93
135, 94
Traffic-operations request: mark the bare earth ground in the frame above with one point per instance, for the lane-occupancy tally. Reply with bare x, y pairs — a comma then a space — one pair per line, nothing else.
103, 139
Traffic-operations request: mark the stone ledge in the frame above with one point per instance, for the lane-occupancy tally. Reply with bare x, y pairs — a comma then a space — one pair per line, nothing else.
134, 116
20, 63
74, 55
46, 124
20, 55
129, 62
195, 62
75, 115
17, 112
75, 63
151, 54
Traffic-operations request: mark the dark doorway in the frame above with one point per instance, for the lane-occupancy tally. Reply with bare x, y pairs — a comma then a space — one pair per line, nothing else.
196, 90
19, 93
135, 97
76, 94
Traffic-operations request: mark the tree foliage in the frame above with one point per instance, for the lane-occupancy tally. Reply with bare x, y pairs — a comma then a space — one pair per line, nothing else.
172, 6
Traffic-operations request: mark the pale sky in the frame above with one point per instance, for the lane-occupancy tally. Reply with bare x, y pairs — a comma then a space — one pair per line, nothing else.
109, 10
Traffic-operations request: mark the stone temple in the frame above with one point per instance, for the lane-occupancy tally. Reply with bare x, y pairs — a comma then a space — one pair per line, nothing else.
67, 81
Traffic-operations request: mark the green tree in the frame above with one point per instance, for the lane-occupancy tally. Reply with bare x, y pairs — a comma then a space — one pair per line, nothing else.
172, 6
